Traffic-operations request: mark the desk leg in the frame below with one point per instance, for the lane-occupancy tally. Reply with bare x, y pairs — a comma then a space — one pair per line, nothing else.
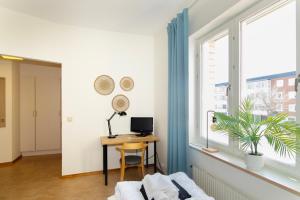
155, 157
147, 155
105, 163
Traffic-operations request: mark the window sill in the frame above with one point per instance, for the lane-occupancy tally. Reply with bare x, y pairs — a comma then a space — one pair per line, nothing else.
269, 175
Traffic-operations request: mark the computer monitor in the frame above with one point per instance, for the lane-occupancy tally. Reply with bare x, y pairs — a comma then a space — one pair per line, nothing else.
141, 125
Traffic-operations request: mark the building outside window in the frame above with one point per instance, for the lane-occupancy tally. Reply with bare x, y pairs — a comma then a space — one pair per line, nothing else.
292, 108
292, 94
291, 82
279, 83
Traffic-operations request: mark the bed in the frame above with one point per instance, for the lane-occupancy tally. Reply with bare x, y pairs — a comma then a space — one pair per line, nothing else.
130, 190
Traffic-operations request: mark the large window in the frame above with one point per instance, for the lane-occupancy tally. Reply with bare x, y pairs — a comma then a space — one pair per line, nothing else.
253, 56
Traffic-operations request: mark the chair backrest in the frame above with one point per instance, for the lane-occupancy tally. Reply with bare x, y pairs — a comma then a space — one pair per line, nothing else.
133, 146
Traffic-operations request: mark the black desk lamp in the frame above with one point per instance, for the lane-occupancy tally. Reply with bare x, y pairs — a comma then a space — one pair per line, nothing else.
214, 120
108, 123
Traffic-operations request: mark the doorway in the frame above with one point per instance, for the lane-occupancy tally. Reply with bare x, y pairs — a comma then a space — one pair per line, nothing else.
36, 106
40, 109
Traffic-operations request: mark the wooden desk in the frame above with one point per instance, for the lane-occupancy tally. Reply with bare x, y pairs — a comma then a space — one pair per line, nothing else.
119, 140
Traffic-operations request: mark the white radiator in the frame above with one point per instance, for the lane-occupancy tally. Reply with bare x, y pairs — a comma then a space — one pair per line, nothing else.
215, 187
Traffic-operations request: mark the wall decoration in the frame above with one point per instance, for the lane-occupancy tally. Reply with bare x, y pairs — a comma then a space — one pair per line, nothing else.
126, 83
120, 103
104, 85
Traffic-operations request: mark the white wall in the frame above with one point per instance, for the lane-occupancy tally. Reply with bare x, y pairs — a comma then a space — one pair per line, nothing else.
200, 15
85, 54
247, 184
204, 12
161, 95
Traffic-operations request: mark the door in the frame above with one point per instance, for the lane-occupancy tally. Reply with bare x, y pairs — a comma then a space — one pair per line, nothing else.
27, 113
48, 127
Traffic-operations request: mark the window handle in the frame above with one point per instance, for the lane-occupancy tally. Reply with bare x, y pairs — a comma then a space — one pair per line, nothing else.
297, 81
228, 88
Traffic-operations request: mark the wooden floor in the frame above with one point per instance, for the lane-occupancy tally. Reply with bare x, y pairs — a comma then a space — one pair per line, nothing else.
39, 178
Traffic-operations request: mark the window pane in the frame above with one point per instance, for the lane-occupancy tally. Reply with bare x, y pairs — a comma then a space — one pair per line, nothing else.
215, 58
269, 65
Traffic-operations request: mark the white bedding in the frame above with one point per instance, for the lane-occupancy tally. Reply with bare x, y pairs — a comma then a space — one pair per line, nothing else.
160, 187
130, 190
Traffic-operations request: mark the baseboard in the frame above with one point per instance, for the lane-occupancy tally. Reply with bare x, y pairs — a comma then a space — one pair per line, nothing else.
92, 173
17, 158
6, 164
40, 153
87, 173
80, 174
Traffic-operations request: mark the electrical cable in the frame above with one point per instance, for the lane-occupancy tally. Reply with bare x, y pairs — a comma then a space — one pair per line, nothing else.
159, 165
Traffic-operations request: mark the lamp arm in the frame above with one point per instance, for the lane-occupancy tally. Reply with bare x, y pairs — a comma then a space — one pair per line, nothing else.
109, 127
108, 123
112, 116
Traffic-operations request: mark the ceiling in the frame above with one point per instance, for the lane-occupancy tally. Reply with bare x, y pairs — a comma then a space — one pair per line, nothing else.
131, 16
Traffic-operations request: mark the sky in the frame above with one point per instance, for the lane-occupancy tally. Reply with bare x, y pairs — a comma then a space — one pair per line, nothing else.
269, 43
268, 46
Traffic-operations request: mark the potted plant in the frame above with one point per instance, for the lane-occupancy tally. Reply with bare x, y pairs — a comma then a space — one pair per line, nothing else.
250, 129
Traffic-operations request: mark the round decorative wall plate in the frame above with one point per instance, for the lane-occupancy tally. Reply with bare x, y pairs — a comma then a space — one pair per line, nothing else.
126, 83
104, 85
120, 103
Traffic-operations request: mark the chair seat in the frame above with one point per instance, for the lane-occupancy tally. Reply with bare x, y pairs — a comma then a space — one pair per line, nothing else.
132, 160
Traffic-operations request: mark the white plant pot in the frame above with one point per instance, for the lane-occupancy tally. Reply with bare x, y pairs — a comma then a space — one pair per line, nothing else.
255, 162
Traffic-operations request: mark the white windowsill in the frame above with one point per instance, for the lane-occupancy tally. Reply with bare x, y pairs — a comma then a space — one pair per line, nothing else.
271, 176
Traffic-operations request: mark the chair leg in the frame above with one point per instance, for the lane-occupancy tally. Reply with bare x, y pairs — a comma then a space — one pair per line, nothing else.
122, 173
143, 171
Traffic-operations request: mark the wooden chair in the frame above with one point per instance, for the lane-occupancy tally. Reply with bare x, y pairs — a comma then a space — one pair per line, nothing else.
132, 160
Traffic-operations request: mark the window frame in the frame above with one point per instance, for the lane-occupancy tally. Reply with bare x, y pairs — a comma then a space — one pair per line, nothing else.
215, 33
234, 28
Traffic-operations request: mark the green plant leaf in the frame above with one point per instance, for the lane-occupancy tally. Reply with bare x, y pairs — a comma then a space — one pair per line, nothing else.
249, 129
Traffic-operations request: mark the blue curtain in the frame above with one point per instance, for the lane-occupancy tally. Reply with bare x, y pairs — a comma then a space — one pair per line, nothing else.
178, 93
